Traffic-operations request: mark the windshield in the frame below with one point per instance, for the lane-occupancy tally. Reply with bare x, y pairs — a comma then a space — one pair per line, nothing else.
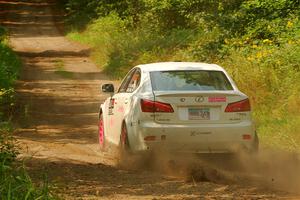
189, 80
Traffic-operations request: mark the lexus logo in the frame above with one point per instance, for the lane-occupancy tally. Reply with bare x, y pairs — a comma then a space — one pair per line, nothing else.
199, 99
182, 99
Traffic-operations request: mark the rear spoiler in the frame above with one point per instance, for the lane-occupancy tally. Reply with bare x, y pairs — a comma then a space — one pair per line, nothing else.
194, 93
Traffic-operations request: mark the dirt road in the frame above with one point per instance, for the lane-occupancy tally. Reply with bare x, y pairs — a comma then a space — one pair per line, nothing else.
59, 91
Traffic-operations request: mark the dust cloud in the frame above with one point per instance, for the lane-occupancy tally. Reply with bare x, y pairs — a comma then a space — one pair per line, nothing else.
268, 168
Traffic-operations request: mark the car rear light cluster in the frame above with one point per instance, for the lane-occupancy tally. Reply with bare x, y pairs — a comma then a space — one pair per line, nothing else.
155, 106
150, 138
240, 106
247, 137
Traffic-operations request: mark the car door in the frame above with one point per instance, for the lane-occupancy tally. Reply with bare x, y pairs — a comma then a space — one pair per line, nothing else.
116, 109
127, 99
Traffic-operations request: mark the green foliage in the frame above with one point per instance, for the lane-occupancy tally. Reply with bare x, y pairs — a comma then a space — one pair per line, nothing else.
81, 12
270, 75
119, 47
15, 182
9, 69
8, 151
9, 66
257, 41
2, 33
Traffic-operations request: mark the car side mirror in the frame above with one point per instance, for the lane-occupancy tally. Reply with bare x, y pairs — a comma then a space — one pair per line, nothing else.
109, 88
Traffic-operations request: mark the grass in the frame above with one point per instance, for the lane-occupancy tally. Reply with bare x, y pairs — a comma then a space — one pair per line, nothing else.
15, 182
273, 83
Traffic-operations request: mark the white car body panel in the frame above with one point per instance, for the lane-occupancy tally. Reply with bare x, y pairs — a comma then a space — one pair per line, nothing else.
174, 131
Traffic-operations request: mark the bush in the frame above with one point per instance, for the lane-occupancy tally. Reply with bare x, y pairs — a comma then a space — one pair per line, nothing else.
9, 70
15, 182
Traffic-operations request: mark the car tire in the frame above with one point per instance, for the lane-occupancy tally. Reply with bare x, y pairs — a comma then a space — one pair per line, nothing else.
124, 142
101, 133
124, 146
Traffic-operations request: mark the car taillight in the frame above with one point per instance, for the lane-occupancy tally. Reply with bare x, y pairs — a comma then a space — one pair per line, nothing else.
240, 106
155, 106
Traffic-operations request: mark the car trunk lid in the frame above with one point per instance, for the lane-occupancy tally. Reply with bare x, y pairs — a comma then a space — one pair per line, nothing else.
194, 107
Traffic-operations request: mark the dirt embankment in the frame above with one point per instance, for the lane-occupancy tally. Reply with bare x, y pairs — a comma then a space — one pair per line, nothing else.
60, 97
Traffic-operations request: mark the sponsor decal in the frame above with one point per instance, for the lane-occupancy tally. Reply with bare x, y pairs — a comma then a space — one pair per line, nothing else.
163, 120
216, 99
121, 109
195, 133
199, 99
235, 119
111, 106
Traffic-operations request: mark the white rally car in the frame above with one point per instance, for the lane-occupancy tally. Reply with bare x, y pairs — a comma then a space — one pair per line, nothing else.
179, 107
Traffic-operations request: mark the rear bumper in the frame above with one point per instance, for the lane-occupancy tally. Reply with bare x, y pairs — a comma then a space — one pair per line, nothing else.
204, 138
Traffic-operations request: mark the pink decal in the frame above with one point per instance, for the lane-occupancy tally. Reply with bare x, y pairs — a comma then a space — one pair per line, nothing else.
121, 109
111, 122
216, 99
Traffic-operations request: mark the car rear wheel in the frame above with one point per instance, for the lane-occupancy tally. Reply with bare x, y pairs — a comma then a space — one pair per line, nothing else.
124, 143
124, 146
101, 133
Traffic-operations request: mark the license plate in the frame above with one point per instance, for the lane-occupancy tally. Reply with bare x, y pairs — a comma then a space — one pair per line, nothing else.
199, 113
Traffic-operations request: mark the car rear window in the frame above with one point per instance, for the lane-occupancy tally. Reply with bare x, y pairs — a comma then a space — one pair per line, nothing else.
189, 80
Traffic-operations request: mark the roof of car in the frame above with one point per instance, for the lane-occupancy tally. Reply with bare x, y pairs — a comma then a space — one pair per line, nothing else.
172, 66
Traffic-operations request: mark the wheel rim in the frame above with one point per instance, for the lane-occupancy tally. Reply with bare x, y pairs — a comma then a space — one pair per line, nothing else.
101, 132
